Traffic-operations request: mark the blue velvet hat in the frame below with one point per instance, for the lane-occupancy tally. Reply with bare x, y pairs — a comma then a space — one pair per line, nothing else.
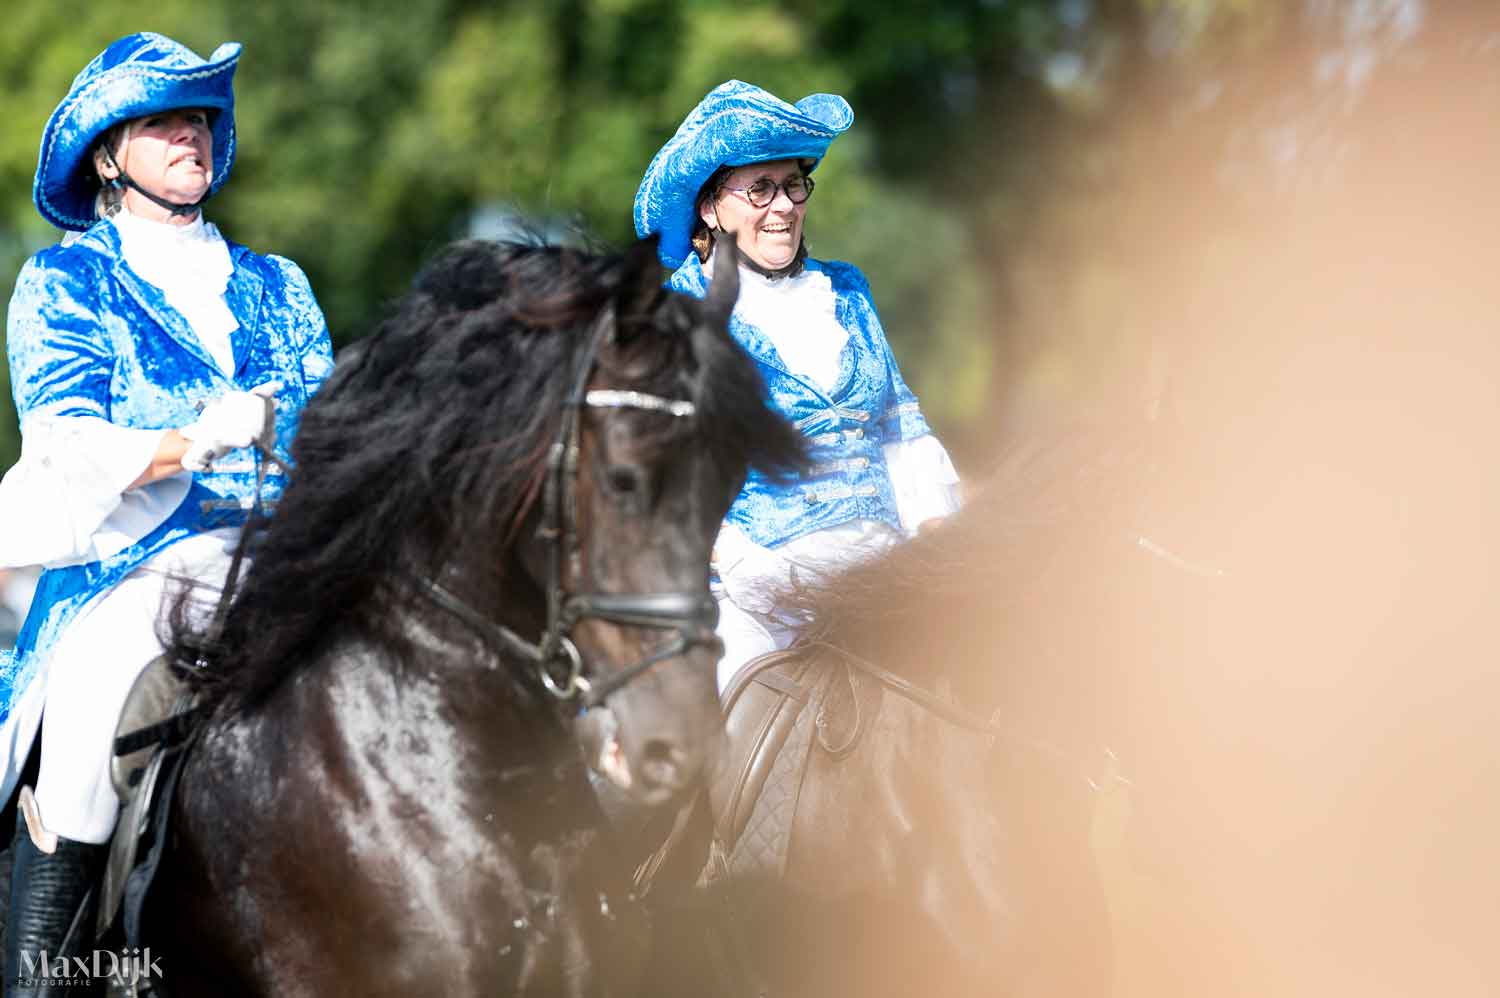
737, 123
138, 75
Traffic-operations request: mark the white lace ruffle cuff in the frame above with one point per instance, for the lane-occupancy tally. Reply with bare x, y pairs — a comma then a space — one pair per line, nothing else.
65, 501
926, 484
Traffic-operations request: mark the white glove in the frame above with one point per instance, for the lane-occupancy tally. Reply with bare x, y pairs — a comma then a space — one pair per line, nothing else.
757, 578
229, 422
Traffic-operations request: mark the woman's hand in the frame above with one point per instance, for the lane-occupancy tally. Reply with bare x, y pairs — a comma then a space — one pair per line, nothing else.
757, 579
229, 422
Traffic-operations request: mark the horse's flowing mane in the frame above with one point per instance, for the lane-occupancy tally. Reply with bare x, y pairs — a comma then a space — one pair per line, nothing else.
430, 440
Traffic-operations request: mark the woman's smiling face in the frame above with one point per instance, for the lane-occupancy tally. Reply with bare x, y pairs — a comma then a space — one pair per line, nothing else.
769, 236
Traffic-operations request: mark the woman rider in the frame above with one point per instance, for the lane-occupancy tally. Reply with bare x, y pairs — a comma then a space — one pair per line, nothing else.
741, 163
146, 354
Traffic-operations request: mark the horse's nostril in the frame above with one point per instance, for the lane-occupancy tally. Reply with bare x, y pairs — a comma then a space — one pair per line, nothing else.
658, 749
663, 764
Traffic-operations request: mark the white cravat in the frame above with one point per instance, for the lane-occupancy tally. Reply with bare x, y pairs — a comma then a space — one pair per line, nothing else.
190, 264
797, 314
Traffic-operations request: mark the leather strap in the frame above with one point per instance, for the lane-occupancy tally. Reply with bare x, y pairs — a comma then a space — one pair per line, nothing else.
166, 733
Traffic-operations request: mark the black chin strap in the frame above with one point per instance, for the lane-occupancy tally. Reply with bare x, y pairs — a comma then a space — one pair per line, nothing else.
176, 209
773, 273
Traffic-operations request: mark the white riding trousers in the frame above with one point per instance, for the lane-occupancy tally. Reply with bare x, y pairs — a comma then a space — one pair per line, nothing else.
90, 672
747, 635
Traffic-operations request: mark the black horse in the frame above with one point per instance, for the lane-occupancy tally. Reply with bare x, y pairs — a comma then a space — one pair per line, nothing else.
387, 797
933, 799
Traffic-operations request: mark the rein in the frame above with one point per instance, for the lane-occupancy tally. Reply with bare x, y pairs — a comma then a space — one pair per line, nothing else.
958, 716
951, 713
691, 616
264, 447
182, 724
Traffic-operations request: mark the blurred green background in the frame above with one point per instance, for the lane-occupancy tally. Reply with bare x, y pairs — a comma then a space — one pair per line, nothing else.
981, 188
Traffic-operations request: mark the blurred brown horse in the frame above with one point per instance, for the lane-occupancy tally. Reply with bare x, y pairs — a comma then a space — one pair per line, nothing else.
906, 804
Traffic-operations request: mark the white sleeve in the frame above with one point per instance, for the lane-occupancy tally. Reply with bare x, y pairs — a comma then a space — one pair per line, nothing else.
924, 480
753, 576
64, 502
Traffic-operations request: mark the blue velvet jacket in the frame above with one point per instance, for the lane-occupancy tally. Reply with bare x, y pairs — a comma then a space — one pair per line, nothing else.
847, 427
87, 337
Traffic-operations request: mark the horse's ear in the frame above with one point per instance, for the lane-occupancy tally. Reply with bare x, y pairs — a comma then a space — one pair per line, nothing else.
641, 279
725, 287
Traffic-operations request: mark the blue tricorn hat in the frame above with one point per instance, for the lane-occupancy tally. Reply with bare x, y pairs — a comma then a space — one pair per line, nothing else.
737, 123
138, 75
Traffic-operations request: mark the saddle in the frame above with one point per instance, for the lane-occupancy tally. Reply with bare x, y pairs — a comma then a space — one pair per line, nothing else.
151, 736
776, 709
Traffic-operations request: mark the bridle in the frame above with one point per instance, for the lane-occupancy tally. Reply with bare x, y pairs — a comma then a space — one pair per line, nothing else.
555, 656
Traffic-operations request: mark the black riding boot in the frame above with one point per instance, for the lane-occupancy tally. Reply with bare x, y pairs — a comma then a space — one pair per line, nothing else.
46, 890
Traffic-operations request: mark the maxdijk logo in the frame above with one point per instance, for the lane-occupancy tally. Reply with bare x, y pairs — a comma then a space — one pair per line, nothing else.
40, 970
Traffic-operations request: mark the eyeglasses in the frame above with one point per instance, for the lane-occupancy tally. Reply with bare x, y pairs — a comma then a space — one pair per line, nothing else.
761, 193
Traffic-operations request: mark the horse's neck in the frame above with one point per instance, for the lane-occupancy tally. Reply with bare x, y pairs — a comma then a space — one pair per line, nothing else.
440, 688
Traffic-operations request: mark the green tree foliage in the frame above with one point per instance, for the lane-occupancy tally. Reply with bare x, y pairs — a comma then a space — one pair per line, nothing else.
373, 132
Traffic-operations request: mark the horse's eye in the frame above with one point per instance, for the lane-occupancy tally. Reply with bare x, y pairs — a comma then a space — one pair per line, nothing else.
624, 480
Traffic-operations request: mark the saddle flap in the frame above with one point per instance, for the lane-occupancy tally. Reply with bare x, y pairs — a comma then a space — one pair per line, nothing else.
135, 816
157, 694
762, 705
772, 712
765, 836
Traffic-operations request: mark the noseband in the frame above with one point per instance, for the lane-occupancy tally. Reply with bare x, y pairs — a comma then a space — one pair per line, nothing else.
558, 662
